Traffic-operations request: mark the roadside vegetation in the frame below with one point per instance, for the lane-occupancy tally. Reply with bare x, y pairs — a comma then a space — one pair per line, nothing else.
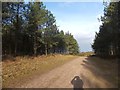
24, 68
31, 42
86, 53
107, 40
30, 29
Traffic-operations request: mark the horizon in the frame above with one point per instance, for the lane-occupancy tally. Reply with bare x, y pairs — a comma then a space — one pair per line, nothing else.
79, 18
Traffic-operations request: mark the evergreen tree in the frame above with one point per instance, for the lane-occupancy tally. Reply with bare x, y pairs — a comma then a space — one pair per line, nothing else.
30, 29
106, 41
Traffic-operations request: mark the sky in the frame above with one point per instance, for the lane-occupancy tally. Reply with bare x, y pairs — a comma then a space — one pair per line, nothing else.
79, 18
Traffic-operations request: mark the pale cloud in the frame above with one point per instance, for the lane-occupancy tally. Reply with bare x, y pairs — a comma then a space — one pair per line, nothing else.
77, 0
76, 28
79, 21
65, 4
84, 32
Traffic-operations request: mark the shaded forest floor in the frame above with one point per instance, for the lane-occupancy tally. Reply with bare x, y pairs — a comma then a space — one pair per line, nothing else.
58, 71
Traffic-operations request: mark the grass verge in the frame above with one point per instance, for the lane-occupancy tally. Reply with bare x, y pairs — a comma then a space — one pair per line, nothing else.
23, 68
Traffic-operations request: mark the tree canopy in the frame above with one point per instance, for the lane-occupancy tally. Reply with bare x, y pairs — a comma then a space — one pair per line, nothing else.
107, 40
30, 29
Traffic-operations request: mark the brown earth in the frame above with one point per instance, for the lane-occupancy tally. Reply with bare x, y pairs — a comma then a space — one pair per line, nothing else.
62, 77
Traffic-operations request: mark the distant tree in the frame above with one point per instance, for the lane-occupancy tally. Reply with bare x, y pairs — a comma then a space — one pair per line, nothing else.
71, 43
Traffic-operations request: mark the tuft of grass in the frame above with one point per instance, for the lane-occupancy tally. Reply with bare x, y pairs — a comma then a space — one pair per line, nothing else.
24, 68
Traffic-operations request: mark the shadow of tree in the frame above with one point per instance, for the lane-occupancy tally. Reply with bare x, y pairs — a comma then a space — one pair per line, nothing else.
106, 69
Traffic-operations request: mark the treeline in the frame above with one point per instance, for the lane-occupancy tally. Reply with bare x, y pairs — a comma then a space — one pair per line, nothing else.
30, 29
107, 40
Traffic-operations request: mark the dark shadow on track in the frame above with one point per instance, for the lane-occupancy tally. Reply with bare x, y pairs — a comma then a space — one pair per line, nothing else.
77, 83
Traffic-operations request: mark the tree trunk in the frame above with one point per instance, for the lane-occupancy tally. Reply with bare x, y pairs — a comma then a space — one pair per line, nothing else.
17, 30
46, 49
15, 52
35, 51
35, 46
9, 49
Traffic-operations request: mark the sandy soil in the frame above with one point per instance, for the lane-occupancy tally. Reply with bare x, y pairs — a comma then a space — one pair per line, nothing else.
69, 75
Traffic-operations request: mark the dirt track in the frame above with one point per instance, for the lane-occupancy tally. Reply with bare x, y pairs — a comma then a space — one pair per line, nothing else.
62, 77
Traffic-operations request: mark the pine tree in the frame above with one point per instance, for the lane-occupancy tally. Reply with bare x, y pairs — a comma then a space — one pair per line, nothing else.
106, 42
